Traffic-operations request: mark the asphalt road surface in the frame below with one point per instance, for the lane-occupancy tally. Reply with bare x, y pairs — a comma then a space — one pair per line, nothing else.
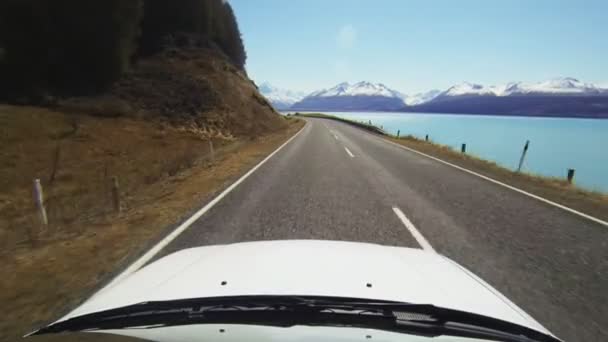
337, 182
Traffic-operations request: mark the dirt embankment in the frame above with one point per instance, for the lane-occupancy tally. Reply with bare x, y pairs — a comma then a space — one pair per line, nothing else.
152, 132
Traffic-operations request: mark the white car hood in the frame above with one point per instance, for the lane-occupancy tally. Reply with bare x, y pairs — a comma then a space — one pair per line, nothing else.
313, 268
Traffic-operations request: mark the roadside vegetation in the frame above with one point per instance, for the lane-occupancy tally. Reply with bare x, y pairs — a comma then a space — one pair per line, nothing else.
131, 114
364, 125
555, 189
74, 47
164, 173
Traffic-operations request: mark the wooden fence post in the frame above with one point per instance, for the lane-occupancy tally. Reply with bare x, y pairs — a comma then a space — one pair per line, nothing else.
463, 148
211, 151
39, 201
523, 155
570, 175
116, 194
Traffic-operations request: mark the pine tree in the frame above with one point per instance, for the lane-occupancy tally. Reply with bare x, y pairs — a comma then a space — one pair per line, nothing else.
66, 46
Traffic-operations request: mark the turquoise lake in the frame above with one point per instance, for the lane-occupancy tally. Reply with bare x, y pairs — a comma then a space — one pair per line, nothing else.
556, 144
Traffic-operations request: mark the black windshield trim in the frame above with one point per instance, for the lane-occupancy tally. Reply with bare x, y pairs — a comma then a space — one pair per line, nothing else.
160, 312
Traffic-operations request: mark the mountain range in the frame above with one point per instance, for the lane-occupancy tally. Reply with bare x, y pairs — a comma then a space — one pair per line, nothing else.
280, 98
565, 96
359, 96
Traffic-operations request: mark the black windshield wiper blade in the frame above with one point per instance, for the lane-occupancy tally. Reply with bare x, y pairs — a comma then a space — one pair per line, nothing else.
211, 310
286, 311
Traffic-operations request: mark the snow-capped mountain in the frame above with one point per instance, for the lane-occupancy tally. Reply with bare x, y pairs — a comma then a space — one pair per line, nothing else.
280, 98
420, 98
362, 88
358, 96
557, 97
556, 86
560, 96
564, 85
466, 88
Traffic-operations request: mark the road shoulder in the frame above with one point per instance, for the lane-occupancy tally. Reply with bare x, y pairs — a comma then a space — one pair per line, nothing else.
549, 189
42, 283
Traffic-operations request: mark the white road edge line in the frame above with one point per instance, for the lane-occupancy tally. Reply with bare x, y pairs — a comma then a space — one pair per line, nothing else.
415, 233
182, 227
349, 152
523, 192
492, 180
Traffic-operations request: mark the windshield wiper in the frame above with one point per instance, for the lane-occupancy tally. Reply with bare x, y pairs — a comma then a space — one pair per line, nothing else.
288, 311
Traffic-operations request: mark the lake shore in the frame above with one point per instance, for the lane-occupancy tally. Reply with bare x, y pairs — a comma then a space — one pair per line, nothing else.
514, 115
558, 190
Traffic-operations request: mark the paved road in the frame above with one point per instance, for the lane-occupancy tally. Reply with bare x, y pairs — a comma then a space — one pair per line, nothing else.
335, 181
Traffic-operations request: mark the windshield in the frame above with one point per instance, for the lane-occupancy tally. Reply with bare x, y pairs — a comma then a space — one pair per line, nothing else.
440, 155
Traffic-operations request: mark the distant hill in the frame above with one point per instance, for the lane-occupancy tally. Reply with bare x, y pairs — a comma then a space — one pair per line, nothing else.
359, 96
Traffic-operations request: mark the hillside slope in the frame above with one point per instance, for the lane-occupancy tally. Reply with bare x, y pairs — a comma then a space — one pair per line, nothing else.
194, 87
151, 131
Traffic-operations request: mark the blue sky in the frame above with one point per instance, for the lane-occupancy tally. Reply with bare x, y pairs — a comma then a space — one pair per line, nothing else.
415, 46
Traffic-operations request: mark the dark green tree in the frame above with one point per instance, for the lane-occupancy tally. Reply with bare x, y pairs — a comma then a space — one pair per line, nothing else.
230, 39
163, 18
77, 47
66, 46
212, 20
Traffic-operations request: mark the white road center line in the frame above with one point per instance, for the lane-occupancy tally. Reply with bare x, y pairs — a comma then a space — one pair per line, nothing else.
410, 226
333, 133
349, 152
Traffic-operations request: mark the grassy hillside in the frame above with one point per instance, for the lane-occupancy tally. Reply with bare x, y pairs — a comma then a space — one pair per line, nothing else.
152, 131
169, 95
165, 172
73, 47
196, 88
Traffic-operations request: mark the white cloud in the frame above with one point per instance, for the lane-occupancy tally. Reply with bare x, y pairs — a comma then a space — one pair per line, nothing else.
347, 36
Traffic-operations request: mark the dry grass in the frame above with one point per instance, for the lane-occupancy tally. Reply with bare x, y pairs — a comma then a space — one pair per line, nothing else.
75, 157
555, 189
164, 173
